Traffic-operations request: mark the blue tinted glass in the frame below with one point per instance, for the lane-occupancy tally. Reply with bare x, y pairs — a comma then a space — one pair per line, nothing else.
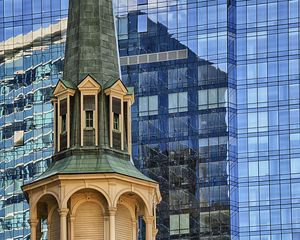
192, 17
241, 14
37, 6
283, 10
8, 8
293, 9
142, 23
261, 12
272, 11
18, 7
251, 13
27, 6
140, 2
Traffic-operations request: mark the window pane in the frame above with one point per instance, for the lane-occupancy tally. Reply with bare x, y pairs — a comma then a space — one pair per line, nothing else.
172, 102
142, 23
143, 104
182, 101
202, 99
153, 105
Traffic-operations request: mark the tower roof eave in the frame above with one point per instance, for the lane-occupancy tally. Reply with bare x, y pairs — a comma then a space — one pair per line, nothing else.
93, 164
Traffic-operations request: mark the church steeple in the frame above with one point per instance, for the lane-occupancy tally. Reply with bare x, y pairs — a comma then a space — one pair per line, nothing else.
97, 101
91, 46
92, 190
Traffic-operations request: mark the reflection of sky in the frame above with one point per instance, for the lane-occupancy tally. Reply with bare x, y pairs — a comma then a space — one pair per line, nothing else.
15, 31
14, 47
26, 10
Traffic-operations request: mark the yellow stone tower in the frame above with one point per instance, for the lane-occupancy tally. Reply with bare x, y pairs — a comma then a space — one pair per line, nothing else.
92, 190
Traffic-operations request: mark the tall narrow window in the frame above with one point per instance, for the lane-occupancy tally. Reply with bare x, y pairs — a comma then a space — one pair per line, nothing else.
89, 119
63, 123
116, 122
89, 108
63, 137
89, 89
88, 124
63, 115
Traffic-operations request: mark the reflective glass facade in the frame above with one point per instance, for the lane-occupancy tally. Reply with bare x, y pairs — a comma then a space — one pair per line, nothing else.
32, 36
179, 56
268, 119
215, 119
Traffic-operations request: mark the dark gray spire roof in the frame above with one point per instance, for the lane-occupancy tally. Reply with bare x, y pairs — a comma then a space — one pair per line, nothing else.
91, 46
91, 50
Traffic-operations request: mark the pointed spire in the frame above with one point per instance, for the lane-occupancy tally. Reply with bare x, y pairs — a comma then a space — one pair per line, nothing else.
91, 46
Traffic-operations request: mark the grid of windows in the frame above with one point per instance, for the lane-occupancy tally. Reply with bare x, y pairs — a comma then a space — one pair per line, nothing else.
184, 118
184, 111
32, 36
268, 118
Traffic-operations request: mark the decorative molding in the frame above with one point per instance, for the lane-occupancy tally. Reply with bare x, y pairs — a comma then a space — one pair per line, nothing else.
89, 84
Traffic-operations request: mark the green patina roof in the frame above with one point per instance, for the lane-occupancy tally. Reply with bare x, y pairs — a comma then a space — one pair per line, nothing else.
68, 84
130, 90
109, 83
88, 164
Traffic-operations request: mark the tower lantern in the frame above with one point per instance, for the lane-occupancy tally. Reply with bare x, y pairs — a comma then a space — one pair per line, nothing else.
92, 190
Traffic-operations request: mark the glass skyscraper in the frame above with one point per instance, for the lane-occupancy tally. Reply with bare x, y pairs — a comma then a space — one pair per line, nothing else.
215, 119
32, 39
267, 80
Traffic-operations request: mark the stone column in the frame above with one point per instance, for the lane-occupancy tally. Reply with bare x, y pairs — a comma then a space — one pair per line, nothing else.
48, 231
112, 223
134, 229
149, 227
33, 227
72, 222
63, 212
106, 226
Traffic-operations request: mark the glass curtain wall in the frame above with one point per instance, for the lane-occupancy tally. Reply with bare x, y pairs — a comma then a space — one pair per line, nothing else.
179, 57
32, 36
268, 119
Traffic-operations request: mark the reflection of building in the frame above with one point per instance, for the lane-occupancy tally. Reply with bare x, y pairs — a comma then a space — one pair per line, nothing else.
181, 126
264, 94
178, 94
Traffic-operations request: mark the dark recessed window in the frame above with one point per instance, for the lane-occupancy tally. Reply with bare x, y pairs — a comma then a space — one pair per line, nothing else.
89, 120
63, 123
116, 122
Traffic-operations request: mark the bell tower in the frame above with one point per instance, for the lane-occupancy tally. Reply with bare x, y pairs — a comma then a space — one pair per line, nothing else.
92, 190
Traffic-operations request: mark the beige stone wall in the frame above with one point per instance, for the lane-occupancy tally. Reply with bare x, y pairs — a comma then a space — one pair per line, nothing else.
95, 206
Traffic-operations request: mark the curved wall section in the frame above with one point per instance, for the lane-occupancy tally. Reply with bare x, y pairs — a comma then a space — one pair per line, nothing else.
89, 222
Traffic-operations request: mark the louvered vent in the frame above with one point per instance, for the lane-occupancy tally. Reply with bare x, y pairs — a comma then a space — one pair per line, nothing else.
63, 141
89, 222
55, 226
117, 140
116, 105
63, 107
124, 229
89, 137
89, 102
